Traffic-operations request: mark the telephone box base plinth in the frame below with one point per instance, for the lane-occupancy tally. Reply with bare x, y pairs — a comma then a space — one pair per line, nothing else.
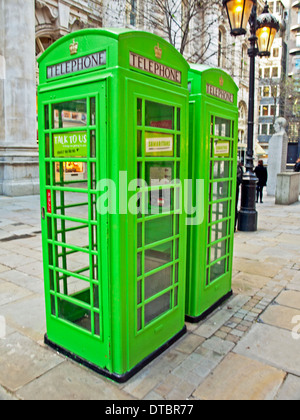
196, 319
113, 376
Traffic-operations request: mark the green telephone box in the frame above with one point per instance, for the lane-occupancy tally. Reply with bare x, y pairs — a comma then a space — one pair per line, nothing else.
213, 165
113, 133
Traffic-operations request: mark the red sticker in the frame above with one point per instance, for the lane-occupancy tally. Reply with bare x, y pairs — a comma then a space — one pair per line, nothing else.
49, 204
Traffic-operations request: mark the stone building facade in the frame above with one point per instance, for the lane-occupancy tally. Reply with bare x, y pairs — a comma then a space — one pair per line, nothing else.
18, 147
44, 21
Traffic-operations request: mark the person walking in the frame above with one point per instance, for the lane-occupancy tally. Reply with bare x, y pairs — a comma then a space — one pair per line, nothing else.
262, 175
297, 166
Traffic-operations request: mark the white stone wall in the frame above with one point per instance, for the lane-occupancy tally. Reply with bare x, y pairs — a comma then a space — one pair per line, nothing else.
18, 147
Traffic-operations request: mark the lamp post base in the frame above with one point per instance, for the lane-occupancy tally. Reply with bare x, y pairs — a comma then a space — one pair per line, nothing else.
247, 218
247, 221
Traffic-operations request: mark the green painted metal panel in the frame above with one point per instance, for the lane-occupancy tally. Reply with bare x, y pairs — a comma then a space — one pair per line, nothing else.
113, 107
213, 125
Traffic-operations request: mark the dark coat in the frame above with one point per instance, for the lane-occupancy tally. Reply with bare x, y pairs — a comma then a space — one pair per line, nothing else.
297, 167
262, 175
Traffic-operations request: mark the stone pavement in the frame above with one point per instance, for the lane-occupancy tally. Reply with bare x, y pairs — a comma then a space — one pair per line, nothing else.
249, 348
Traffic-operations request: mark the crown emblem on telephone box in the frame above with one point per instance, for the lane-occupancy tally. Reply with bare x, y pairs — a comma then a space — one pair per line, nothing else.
74, 47
158, 51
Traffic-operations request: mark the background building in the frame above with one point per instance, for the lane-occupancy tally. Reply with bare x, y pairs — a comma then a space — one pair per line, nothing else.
272, 78
293, 85
18, 147
199, 30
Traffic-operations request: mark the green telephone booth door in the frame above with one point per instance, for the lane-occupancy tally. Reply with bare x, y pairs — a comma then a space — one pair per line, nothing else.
213, 159
74, 234
221, 206
159, 128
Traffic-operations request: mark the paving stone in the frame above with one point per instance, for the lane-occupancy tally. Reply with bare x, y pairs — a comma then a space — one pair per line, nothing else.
240, 378
271, 345
257, 268
189, 343
218, 345
290, 390
3, 268
22, 360
15, 260
31, 283
27, 315
5, 396
181, 391
213, 324
10, 293
289, 298
69, 381
221, 317
280, 316
249, 284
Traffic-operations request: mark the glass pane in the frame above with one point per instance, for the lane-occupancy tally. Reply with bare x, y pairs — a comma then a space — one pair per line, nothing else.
217, 270
218, 231
157, 307
140, 235
159, 174
70, 114
219, 190
218, 250
47, 117
47, 147
139, 111
158, 282
158, 115
220, 210
139, 264
74, 314
221, 170
139, 144
158, 256
93, 143
175, 297
93, 111
222, 127
139, 319
139, 292
161, 201
178, 119
158, 229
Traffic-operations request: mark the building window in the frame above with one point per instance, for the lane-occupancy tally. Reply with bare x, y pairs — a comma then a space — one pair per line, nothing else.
298, 39
273, 110
264, 129
275, 52
266, 91
275, 72
271, 6
132, 12
267, 72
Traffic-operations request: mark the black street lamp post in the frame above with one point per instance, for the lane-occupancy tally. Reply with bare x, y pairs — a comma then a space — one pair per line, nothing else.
263, 30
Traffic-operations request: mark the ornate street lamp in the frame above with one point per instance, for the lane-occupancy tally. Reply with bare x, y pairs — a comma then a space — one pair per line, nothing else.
263, 31
267, 27
238, 14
